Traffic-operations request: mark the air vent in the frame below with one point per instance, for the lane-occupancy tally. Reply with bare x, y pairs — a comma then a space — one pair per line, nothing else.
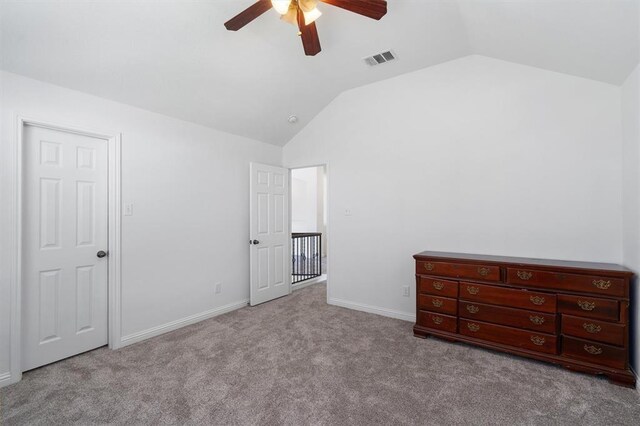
380, 58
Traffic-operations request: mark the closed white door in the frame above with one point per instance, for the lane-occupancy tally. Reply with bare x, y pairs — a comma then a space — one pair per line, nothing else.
64, 277
269, 233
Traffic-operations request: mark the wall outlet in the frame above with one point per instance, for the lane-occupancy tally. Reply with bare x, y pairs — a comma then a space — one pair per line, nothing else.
218, 288
347, 212
405, 291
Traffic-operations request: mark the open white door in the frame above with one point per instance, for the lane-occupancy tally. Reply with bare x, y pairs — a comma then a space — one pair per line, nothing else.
269, 233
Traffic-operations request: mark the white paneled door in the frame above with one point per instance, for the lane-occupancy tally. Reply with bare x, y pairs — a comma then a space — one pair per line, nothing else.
269, 233
64, 277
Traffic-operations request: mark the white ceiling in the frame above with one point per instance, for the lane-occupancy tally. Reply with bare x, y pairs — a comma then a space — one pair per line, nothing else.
176, 58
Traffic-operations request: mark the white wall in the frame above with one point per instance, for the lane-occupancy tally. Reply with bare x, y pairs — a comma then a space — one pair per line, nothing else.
631, 194
475, 155
189, 185
304, 200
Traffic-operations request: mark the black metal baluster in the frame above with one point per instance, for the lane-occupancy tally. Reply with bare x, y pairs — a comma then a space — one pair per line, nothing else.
306, 256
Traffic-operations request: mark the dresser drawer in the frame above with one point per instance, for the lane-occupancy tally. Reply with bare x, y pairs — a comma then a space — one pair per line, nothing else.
437, 321
443, 305
569, 282
458, 270
503, 296
536, 321
589, 307
605, 332
597, 353
438, 287
539, 342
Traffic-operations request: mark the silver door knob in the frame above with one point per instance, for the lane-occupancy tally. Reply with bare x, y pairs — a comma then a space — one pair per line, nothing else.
101, 254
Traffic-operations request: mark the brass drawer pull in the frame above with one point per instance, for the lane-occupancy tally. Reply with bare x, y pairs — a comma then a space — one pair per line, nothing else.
473, 327
484, 271
536, 319
473, 309
524, 275
437, 303
593, 350
537, 340
591, 328
473, 290
438, 285
537, 300
602, 284
586, 306
437, 320
428, 266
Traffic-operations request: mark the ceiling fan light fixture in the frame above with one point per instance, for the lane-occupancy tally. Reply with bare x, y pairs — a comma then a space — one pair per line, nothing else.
291, 17
307, 5
311, 16
281, 6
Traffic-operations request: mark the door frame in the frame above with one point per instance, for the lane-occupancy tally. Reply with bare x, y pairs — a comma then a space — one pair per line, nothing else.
327, 231
114, 143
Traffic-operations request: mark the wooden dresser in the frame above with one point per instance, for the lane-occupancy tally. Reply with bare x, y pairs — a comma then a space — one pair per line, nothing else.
575, 314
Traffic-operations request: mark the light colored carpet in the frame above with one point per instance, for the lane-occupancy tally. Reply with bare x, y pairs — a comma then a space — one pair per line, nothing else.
298, 361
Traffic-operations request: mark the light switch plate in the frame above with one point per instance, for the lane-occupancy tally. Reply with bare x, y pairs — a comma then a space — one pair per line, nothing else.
128, 209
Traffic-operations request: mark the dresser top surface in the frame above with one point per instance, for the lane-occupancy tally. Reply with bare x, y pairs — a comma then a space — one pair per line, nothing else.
525, 261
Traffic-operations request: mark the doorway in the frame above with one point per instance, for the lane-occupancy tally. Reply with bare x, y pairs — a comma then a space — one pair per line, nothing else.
308, 226
65, 237
66, 284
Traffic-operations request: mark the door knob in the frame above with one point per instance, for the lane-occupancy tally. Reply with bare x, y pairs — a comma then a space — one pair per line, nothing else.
101, 254
256, 242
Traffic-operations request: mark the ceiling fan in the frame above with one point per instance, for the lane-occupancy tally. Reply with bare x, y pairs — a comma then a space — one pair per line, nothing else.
304, 13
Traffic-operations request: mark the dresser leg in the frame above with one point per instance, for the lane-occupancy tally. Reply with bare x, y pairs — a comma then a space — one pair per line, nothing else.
626, 380
420, 333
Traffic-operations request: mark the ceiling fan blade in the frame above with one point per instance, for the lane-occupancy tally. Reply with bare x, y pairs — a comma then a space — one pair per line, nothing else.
248, 15
374, 9
309, 36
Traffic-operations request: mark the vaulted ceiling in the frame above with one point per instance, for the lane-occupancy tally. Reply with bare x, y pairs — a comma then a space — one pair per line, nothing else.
176, 58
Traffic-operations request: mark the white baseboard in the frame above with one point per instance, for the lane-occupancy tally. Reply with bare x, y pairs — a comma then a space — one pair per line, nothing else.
321, 279
373, 309
174, 325
5, 379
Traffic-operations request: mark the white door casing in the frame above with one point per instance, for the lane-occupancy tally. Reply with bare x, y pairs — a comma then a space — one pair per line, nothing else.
269, 233
65, 224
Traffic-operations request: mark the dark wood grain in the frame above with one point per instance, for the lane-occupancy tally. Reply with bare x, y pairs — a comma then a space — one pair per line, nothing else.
437, 321
374, 9
520, 318
618, 376
589, 307
599, 331
531, 340
564, 281
309, 36
248, 15
573, 303
440, 304
610, 269
438, 287
595, 352
457, 270
494, 295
